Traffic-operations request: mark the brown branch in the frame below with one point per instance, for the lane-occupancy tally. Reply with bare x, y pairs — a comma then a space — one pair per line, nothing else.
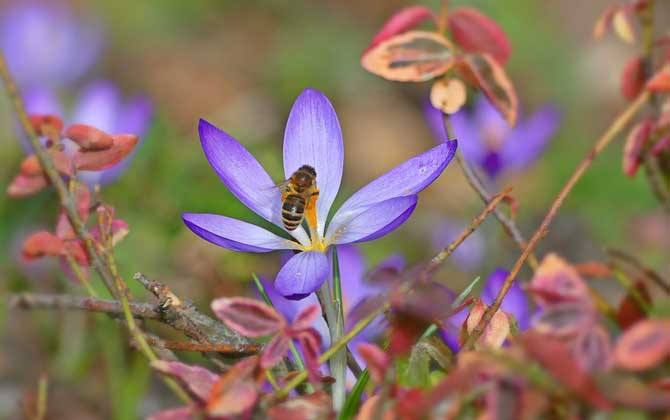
617, 125
508, 224
69, 302
228, 349
649, 273
438, 259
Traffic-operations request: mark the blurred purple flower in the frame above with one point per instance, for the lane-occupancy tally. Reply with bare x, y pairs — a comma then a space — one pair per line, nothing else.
46, 45
312, 137
487, 141
469, 254
100, 105
515, 304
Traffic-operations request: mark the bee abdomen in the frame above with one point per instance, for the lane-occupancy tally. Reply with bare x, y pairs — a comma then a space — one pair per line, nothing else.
293, 211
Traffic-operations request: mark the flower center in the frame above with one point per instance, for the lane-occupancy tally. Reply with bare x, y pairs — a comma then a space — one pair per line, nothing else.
316, 241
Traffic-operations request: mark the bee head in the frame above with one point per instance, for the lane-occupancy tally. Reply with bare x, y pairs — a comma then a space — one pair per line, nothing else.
309, 169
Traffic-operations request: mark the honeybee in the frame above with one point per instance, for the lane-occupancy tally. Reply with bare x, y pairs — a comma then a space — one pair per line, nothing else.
296, 193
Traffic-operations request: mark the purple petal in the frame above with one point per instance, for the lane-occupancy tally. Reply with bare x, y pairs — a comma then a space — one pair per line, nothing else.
313, 137
235, 234
243, 175
464, 129
526, 142
406, 179
515, 302
352, 271
99, 106
40, 100
375, 222
302, 274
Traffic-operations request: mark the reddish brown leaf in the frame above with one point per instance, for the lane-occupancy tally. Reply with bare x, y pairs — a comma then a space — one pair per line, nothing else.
274, 351
314, 406
566, 319
370, 410
402, 21
448, 95
198, 380
661, 146
604, 21
41, 244
76, 250
179, 413
635, 143
310, 343
305, 318
475, 32
556, 357
96, 160
41, 121
235, 392
489, 76
405, 330
629, 311
660, 82
593, 350
24, 186
629, 391
376, 360
594, 269
557, 281
632, 78
414, 56
89, 138
644, 345
248, 317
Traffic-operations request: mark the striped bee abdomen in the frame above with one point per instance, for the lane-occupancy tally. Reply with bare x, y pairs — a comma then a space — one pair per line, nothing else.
293, 211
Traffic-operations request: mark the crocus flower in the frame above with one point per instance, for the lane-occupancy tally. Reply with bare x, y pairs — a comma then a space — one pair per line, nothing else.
312, 137
45, 45
101, 106
515, 303
487, 141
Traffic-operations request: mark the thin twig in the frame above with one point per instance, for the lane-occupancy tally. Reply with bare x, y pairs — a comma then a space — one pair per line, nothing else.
446, 252
228, 349
91, 304
508, 224
616, 127
648, 272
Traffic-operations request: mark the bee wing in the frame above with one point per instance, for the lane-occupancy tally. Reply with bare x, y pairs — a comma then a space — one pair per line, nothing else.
280, 186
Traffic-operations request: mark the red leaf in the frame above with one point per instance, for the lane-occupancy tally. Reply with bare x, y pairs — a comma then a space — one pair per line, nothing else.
489, 76
404, 332
31, 166
556, 357
42, 244
475, 32
566, 319
644, 345
557, 281
24, 186
629, 311
635, 143
632, 78
77, 251
414, 56
660, 146
248, 317
376, 360
274, 351
593, 350
314, 406
179, 413
96, 160
594, 269
198, 380
660, 82
235, 392
310, 343
402, 21
89, 138
42, 121
305, 318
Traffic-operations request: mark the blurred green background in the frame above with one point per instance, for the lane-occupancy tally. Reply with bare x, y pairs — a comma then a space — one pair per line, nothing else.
240, 65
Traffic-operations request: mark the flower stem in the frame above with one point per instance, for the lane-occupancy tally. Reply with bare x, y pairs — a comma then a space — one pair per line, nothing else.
332, 309
605, 139
335, 348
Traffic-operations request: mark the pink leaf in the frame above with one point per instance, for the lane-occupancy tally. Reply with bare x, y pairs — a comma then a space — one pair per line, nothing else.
274, 351
402, 21
475, 32
644, 345
89, 138
41, 121
495, 332
660, 82
314, 406
635, 142
593, 350
248, 317
632, 78
198, 380
179, 413
305, 318
235, 392
24, 186
377, 360
557, 281
310, 342
566, 319
96, 160
414, 56
42, 244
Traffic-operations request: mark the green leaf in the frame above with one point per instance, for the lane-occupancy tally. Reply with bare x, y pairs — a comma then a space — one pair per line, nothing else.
354, 399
